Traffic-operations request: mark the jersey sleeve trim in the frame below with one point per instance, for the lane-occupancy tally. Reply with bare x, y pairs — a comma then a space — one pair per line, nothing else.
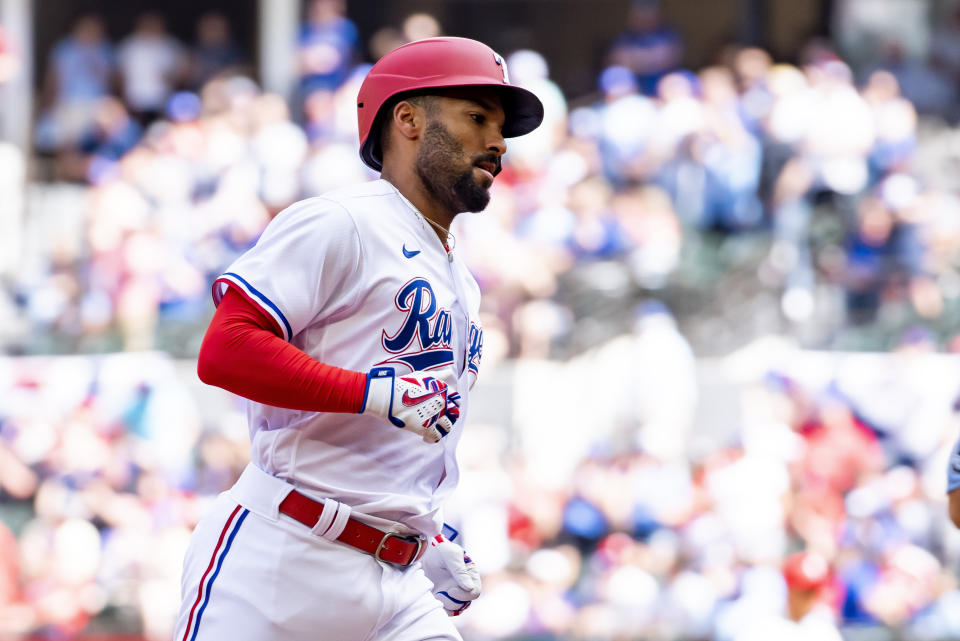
255, 296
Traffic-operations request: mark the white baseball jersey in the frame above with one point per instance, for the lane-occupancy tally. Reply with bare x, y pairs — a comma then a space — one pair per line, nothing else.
357, 279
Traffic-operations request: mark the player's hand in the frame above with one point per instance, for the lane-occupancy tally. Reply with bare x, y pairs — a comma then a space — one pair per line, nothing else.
417, 402
452, 410
456, 580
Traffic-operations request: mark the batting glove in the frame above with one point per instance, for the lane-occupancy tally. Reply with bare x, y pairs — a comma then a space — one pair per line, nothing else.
953, 468
417, 402
456, 580
453, 406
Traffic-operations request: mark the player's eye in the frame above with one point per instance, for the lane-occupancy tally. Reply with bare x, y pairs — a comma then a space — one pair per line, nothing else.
478, 118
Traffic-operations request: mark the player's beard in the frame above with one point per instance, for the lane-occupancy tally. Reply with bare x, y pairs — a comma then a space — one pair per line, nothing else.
439, 167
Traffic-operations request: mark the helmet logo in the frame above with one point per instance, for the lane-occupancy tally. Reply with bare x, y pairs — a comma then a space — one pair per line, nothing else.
503, 67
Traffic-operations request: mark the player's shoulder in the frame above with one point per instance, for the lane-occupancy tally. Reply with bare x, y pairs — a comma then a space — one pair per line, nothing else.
343, 199
353, 209
369, 204
362, 196
319, 217
309, 210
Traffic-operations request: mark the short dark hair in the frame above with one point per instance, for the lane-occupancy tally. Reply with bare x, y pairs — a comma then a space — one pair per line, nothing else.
426, 101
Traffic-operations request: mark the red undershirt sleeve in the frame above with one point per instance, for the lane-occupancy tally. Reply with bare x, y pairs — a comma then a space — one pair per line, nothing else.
243, 352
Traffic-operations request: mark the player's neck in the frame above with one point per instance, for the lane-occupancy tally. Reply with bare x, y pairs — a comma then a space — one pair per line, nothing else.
418, 195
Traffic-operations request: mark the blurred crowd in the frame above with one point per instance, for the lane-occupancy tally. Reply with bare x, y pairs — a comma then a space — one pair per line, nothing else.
648, 519
97, 97
808, 503
653, 528
614, 197
104, 470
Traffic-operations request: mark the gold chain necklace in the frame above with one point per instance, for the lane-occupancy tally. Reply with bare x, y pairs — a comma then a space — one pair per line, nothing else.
451, 239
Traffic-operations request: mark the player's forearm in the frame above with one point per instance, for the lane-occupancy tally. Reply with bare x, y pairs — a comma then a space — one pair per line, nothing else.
241, 354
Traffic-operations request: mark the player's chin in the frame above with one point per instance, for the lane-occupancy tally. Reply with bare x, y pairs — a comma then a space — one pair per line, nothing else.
470, 194
483, 177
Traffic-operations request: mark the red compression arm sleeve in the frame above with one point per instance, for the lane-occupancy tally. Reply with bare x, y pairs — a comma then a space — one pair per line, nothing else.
243, 352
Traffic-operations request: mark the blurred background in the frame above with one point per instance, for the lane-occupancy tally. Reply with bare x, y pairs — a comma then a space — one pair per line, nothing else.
739, 225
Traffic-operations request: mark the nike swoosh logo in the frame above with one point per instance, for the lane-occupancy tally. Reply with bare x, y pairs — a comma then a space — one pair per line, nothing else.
408, 253
415, 400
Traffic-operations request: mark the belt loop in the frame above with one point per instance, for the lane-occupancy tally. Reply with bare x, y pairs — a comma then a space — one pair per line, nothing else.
277, 500
339, 522
330, 508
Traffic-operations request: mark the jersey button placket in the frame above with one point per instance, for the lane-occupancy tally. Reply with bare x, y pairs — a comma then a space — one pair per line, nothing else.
463, 327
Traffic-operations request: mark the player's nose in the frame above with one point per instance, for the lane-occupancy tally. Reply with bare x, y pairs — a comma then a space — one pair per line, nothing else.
496, 144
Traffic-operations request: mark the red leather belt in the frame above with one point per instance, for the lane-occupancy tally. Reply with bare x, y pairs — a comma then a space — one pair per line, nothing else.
398, 549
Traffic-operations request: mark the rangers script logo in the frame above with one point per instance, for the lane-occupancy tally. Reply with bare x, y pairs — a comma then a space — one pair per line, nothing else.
475, 348
423, 341
425, 325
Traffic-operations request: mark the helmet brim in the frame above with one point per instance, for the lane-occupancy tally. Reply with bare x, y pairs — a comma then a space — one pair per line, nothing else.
523, 112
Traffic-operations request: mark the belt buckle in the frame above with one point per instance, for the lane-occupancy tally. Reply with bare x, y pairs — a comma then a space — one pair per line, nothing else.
410, 537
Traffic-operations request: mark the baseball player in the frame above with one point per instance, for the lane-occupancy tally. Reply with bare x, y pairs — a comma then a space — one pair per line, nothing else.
352, 329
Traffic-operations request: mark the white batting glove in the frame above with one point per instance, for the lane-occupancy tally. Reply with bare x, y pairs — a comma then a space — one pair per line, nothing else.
456, 580
417, 402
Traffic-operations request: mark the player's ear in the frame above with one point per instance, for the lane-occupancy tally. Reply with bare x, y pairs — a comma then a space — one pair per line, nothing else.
408, 119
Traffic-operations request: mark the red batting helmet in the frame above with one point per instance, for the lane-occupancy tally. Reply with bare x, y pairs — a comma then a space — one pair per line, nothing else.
435, 63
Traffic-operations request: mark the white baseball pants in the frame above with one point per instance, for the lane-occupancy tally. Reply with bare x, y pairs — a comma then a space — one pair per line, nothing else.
252, 574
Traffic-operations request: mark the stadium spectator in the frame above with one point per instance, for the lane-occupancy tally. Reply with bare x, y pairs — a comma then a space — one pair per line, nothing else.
648, 47
80, 70
279, 148
731, 154
418, 26
927, 85
530, 70
152, 65
838, 452
751, 68
807, 614
654, 234
624, 124
884, 257
895, 121
109, 137
327, 46
214, 50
